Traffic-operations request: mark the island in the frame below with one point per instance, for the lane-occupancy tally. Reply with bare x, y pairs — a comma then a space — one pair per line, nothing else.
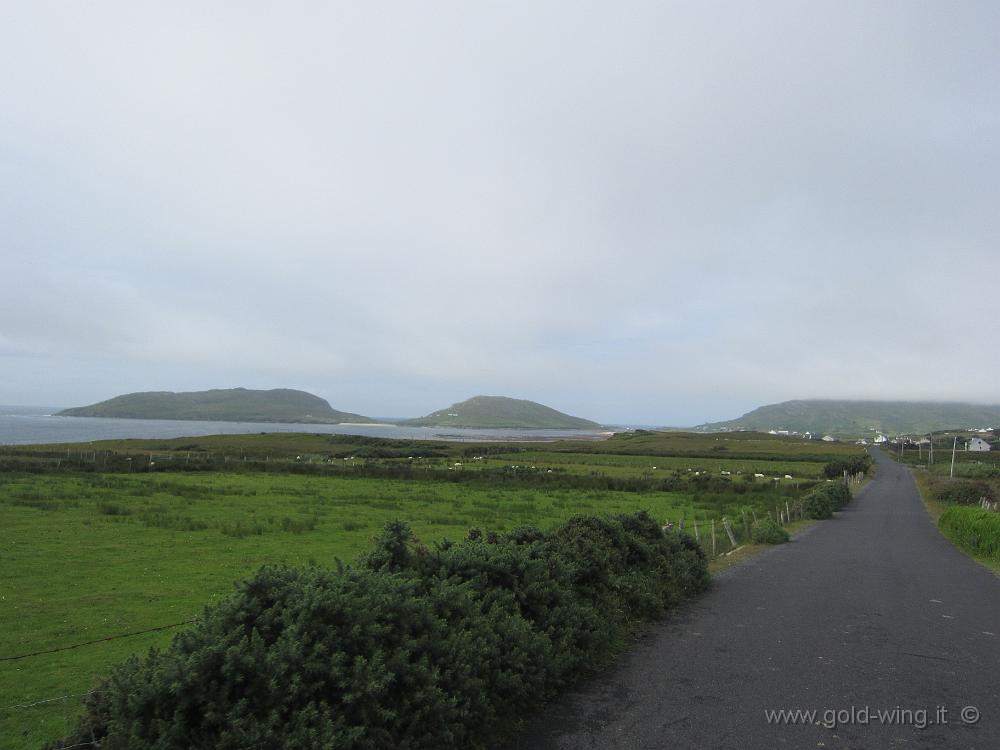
502, 412
221, 405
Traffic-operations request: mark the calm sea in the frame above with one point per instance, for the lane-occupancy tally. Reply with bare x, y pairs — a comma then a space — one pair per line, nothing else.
26, 425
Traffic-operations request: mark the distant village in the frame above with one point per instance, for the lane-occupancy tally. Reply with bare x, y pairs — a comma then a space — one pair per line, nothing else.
980, 439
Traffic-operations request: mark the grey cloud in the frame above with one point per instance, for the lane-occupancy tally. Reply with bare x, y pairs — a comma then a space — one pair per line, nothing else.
667, 211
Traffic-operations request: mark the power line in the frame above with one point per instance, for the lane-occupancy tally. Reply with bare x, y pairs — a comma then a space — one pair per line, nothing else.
99, 640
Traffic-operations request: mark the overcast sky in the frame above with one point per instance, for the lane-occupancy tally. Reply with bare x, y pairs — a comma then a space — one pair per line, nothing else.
659, 213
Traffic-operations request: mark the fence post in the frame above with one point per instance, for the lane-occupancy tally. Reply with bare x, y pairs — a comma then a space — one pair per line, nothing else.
713, 537
729, 532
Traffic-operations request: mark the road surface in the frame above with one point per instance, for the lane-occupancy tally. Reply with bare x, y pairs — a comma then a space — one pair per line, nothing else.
871, 611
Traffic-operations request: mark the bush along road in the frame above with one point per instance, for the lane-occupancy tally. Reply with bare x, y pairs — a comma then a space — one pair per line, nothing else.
868, 630
415, 646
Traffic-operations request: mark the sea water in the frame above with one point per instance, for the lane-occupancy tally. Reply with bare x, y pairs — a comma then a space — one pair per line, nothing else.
29, 425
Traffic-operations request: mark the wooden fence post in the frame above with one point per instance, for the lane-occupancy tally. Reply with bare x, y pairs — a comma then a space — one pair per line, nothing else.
729, 532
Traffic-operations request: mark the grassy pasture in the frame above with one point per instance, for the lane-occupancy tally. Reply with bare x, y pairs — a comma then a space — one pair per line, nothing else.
86, 555
731, 445
647, 466
736, 445
968, 464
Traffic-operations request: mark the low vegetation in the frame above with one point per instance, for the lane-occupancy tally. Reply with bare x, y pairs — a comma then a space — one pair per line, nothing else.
418, 647
104, 543
824, 500
849, 466
963, 491
768, 531
974, 529
965, 508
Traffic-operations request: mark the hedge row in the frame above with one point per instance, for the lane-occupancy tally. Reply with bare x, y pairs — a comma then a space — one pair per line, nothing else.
854, 465
963, 492
413, 647
824, 499
768, 531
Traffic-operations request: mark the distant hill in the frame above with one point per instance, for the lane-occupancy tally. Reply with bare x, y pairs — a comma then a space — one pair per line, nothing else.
857, 417
222, 405
499, 411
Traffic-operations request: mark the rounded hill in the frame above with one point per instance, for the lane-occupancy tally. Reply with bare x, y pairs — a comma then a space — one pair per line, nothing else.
500, 412
220, 405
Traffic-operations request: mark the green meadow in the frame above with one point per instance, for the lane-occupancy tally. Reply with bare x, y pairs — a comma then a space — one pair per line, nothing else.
88, 554
87, 557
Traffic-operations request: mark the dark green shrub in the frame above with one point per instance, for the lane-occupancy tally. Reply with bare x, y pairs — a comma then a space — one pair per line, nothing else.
818, 504
854, 465
964, 492
768, 531
824, 499
838, 493
413, 647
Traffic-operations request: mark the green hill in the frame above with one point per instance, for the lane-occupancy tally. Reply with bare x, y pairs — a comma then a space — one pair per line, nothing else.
222, 405
859, 417
499, 411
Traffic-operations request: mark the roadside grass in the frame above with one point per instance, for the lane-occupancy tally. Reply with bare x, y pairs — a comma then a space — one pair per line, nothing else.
951, 531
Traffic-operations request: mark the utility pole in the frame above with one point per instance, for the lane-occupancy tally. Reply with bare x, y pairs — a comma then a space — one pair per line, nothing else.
932, 449
953, 446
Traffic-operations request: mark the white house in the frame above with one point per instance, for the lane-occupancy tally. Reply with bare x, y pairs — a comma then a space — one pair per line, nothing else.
829, 439
880, 438
977, 444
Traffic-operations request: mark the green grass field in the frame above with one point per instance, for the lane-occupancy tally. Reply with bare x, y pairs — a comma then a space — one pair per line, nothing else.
86, 557
650, 466
91, 555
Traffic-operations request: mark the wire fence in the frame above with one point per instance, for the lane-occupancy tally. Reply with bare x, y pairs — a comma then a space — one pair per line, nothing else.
719, 537
21, 716
96, 640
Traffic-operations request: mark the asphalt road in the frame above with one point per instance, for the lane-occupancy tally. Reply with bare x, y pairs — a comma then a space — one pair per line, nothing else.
871, 609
